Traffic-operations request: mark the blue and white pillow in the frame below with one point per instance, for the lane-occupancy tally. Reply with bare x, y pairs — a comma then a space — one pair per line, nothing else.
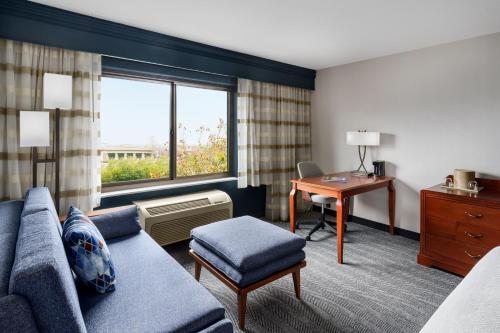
87, 252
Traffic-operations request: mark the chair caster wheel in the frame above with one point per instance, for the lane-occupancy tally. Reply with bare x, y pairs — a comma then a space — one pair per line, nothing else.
308, 238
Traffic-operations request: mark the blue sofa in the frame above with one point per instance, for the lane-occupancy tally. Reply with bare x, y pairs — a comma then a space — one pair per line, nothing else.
39, 293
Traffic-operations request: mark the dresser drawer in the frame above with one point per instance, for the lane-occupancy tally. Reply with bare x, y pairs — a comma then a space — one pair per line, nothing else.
456, 228
478, 235
471, 233
439, 226
445, 249
456, 211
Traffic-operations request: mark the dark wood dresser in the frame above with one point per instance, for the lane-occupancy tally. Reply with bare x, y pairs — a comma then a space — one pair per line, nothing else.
457, 228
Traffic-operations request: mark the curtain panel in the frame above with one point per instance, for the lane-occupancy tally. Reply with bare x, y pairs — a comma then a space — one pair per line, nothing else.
22, 66
274, 134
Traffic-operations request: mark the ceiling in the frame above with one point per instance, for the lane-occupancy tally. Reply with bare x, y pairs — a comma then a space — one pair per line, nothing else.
309, 33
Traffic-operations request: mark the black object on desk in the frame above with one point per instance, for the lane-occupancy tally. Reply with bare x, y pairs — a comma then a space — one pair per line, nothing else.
379, 168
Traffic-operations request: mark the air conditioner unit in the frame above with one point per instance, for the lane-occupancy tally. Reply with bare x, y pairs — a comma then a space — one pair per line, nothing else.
170, 220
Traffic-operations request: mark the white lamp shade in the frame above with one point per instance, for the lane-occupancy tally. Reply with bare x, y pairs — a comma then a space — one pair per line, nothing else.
57, 91
356, 138
34, 129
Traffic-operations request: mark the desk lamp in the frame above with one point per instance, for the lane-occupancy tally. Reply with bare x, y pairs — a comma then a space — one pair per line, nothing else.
362, 139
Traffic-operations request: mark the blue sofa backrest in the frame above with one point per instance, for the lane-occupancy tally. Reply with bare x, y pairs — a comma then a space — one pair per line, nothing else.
41, 272
10, 213
39, 199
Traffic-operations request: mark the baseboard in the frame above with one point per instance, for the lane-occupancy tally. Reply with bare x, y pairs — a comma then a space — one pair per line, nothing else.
375, 225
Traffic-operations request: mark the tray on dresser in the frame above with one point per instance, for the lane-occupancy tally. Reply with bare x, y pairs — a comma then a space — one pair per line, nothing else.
480, 188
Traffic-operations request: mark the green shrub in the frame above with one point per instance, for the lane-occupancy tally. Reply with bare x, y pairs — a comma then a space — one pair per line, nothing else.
133, 169
203, 159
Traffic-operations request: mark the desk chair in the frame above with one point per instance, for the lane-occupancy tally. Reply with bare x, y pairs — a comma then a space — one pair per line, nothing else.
311, 169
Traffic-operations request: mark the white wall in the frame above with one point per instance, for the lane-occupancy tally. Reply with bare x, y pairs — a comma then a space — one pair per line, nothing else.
438, 109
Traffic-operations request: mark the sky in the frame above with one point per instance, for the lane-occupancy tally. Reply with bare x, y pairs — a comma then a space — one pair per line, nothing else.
137, 112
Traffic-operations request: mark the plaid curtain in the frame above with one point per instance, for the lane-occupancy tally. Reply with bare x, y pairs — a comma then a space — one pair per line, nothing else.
274, 134
22, 66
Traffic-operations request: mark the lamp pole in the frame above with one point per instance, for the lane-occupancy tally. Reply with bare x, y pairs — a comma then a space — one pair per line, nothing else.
362, 159
34, 153
57, 157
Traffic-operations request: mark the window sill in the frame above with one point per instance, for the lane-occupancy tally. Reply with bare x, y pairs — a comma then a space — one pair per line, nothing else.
166, 187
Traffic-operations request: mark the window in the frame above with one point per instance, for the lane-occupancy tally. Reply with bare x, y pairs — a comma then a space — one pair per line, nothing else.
201, 131
154, 130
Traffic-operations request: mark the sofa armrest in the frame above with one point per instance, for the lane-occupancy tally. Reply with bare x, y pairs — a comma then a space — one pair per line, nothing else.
117, 222
98, 212
16, 315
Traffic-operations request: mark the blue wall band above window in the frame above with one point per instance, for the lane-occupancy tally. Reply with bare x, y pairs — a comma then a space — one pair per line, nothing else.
137, 68
36, 23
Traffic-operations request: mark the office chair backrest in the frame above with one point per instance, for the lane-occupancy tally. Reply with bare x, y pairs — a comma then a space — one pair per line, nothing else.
309, 169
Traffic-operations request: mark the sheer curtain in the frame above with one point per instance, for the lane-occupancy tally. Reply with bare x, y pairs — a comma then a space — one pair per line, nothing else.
22, 66
274, 134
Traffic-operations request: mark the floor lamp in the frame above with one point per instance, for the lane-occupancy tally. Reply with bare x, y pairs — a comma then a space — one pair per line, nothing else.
34, 125
34, 132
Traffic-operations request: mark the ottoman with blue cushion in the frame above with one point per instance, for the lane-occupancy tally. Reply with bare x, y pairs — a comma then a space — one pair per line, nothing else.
246, 253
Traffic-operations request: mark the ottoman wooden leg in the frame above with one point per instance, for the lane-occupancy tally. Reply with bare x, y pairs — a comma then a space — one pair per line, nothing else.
197, 270
242, 309
243, 292
296, 282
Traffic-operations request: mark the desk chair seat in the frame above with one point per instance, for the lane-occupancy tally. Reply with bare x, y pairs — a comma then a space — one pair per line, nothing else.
322, 199
311, 169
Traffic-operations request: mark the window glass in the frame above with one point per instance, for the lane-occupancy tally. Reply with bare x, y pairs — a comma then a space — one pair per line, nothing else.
201, 131
135, 127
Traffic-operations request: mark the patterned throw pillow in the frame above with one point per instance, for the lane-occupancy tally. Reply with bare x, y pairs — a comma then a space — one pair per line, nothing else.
87, 252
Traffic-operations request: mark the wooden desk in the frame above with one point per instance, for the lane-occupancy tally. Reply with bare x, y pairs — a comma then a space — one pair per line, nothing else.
343, 192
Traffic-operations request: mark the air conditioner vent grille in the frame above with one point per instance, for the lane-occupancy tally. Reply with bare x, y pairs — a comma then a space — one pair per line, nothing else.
172, 231
164, 209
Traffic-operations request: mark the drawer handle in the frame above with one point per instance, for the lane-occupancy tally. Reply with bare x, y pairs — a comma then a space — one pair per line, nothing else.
477, 256
473, 235
474, 216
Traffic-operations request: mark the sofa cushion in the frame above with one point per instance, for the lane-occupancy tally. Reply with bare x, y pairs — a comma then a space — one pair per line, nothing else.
244, 279
247, 243
10, 214
155, 293
42, 275
16, 315
87, 252
474, 305
116, 224
38, 199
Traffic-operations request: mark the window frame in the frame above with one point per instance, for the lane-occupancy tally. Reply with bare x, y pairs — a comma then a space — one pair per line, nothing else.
173, 178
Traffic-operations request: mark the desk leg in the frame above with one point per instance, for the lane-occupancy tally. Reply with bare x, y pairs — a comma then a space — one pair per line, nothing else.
340, 206
392, 206
346, 210
293, 194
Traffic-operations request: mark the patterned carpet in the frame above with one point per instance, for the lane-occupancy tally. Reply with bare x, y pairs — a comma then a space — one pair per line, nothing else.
380, 288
